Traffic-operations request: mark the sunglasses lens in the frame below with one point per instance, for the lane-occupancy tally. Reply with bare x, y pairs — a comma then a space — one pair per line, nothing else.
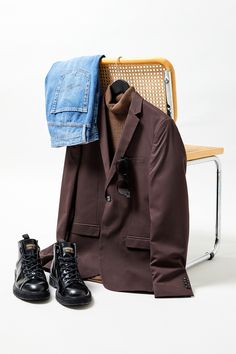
122, 169
122, 166
123, 189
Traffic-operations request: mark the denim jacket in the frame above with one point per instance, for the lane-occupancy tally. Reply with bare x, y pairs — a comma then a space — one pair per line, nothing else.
72, 94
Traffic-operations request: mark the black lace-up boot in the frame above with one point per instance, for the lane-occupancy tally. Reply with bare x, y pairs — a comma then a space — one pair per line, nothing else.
65, 277
30, 281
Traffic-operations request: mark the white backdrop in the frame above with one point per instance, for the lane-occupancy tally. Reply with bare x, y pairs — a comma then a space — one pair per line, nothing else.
198, 37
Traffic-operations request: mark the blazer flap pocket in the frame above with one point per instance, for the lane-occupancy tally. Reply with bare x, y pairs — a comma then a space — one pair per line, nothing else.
142, 242
90, 230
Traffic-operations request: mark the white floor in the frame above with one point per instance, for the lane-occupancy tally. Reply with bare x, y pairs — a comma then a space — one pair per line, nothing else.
117, 323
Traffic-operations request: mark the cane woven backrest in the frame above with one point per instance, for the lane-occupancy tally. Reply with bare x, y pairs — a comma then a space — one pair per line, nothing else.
148, 76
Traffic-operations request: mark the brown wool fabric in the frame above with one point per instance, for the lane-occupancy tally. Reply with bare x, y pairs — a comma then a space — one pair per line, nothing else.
117, 114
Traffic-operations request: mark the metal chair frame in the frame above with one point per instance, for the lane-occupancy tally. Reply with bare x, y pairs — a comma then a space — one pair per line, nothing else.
209, 254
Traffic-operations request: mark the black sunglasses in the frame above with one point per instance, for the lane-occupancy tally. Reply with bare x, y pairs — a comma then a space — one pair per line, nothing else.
122, 168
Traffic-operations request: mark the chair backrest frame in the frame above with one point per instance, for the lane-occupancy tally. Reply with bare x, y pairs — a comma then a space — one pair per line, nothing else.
153, 78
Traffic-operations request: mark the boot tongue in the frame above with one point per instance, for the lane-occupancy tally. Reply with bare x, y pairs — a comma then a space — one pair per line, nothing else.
67, 249
30, 246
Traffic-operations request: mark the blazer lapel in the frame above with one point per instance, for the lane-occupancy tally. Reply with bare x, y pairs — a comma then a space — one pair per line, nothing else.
130, 125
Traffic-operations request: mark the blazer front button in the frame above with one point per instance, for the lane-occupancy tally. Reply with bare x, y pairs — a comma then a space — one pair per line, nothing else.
108, 198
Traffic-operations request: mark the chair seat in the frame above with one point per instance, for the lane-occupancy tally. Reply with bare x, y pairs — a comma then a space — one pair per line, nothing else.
196, 152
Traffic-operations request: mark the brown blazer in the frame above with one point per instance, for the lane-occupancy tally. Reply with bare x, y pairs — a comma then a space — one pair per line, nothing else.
138, 243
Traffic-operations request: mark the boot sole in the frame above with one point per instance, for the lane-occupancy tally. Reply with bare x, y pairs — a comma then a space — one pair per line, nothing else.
82, 301
28, 296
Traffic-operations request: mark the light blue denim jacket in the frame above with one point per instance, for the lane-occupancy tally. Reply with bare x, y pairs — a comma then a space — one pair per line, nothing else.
72, 94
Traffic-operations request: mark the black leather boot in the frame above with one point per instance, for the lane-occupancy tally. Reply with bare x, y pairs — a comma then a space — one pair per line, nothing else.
30, 281
65, 277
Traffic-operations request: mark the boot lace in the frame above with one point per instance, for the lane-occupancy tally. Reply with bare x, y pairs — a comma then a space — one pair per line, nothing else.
69, 270
32, 267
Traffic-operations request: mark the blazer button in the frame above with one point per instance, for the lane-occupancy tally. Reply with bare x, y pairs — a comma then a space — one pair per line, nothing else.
108, 198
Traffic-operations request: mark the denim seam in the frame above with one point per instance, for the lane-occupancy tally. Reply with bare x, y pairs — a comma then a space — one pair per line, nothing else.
75, 141
69, 124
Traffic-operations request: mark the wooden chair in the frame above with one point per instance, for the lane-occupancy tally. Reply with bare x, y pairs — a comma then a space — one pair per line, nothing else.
154, 79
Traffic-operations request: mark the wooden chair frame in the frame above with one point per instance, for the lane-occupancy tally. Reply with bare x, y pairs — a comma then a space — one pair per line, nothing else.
154, 79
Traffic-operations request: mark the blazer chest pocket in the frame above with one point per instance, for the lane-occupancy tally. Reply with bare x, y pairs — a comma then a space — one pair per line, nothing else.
139, 242
72, 92
87, 230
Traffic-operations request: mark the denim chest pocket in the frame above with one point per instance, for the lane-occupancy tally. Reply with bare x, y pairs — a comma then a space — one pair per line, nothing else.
72, 92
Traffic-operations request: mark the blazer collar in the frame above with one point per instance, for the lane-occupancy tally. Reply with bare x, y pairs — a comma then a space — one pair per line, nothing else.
131, 122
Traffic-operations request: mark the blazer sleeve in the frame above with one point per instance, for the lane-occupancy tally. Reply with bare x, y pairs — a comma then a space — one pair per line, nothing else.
68, 191
169, 212
67, 200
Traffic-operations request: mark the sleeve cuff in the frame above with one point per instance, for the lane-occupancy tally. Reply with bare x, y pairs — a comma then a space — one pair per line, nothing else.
178, 287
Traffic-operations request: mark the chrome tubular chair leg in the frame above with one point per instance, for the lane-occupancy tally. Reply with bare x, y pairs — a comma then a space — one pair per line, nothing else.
211, 254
